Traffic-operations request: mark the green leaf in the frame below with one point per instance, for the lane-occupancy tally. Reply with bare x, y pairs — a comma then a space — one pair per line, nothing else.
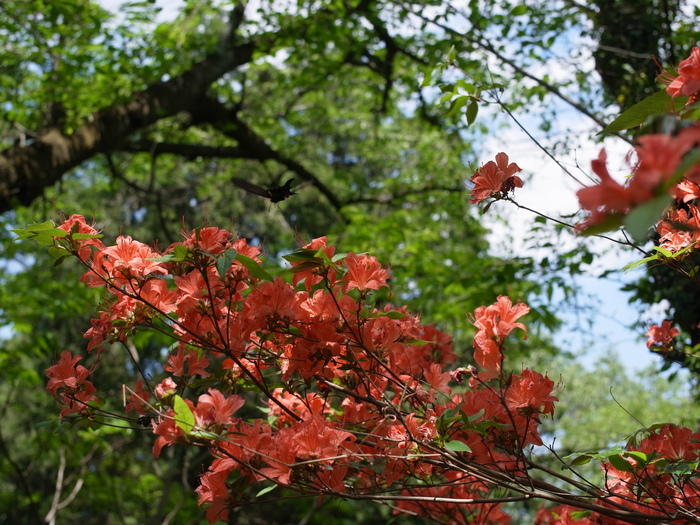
391, 315
457, 446
451, 54
636, 454
581, 460
267, 489
302, 255
655, 104
80, 236
467, 86
42, 233
446, 97
254, 268
310, 265
224, 262
44, 227
427, 78
691, 112
476, 416
180, 253
620, 463
471, 112
457, 104
57, 252
643, 217
204, 434
632, 266
340, 256
184, 418
518, 10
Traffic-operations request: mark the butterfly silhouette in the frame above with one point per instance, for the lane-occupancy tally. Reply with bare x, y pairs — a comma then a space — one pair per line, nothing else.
275, 193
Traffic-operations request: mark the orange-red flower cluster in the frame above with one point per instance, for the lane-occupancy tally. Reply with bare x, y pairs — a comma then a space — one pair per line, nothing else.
495, 323
654, 174
647, 483
366, 400
651, 479
76, 392
687, 82
680, 228
495, 179
365, 390
659, 171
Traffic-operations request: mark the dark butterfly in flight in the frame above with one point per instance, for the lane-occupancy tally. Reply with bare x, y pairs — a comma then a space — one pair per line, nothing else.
275, 193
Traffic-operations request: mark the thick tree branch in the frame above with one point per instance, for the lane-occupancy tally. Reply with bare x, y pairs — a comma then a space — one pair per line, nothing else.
398, 197
26, 171
188, 151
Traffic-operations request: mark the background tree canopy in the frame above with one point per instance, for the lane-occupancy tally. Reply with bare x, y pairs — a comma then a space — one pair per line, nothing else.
150, 125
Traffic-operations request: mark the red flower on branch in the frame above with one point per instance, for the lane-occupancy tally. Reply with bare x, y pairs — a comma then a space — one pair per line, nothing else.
687, 83
214, 492
679, 229
660, 337
364, 273
218, 408
196, 364
495, 323
499, 319
131, 259
658, 158
209, 239
531, 393
77, 224
72, 378
495, 179
65, 373
365, 393
138, 399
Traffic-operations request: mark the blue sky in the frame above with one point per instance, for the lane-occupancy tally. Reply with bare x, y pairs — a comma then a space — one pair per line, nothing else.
548, 190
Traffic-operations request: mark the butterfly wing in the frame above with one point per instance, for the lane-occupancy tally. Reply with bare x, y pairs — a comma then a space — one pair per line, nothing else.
251, 188
275, 194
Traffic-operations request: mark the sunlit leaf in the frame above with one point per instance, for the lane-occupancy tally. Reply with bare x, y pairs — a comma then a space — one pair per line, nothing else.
184, 418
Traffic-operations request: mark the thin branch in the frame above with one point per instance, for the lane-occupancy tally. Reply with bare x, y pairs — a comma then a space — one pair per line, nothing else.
562, 223
533, 139
519, 70
403, 194
51, 516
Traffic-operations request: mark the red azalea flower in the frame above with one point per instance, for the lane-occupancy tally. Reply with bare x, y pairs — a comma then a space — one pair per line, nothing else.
687, 83
364, 273
661, 335
65, 373
495, 179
